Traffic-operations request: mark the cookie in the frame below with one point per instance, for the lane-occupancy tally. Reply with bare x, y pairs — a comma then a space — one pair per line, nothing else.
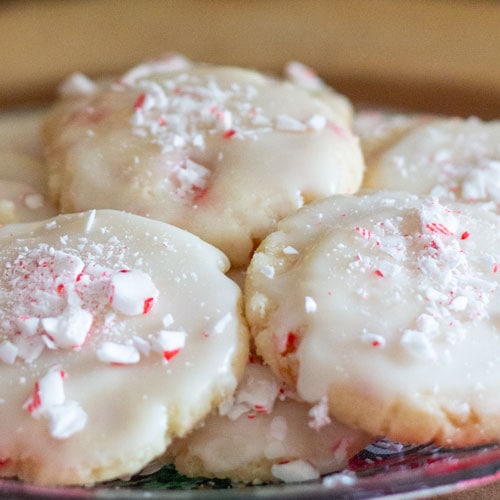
453, 159
117, 333
378, 130
262, 434
388, 305
223, 152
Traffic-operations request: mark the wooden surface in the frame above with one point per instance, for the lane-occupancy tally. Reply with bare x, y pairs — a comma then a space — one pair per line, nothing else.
433, 55
430, 55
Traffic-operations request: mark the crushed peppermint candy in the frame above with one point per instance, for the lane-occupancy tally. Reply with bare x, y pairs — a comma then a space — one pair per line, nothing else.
65, 419
132, 292
34, 201
452, 290
55, 298
310, 305
122, 354
373, 339
181, 110
8, 352
169, 343
222, 323
289, 250
256, 393
67, 330
77, 84
48, 401
295, 471
268, 271
319, 414
304, 76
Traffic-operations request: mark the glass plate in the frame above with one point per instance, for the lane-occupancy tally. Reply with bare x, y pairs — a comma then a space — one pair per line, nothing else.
381, 469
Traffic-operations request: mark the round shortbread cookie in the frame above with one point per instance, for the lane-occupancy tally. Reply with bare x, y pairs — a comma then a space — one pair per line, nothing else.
117, 333
261, 434
379, 130
222, 152
454, 159
389, 305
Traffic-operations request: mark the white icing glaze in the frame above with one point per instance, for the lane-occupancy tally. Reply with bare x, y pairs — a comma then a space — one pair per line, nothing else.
261, 434
90, 392
222, 152
407, 308
454, 159
379, 130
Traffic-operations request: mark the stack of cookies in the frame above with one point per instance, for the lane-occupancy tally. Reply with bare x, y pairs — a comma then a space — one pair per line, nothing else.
241, 275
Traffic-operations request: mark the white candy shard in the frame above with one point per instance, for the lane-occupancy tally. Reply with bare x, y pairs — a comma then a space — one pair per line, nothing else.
65, 419
169, 342
132, 292
289, 250
68, 330
418, 344
141, 345
8, 352
77, 84
48, 391
289, 124
222, 323
319, 414
48, 401
34, 201
310, 305
267, 271
256, 393
111, 352
28, 326
67, 265
295, 471
317, 122
303, 75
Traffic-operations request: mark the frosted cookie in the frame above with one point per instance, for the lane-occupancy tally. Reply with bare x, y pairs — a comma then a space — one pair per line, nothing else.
454, 159
379, 130
222, 152
388, 305
260, 434
117, 333
22, 203
305, 77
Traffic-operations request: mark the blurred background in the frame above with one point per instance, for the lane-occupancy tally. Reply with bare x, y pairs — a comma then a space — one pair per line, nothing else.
426, 55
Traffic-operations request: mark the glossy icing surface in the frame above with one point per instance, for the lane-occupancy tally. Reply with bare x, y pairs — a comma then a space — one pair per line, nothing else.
117, 333
454, 159
223, 152
388, 304
262, 433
